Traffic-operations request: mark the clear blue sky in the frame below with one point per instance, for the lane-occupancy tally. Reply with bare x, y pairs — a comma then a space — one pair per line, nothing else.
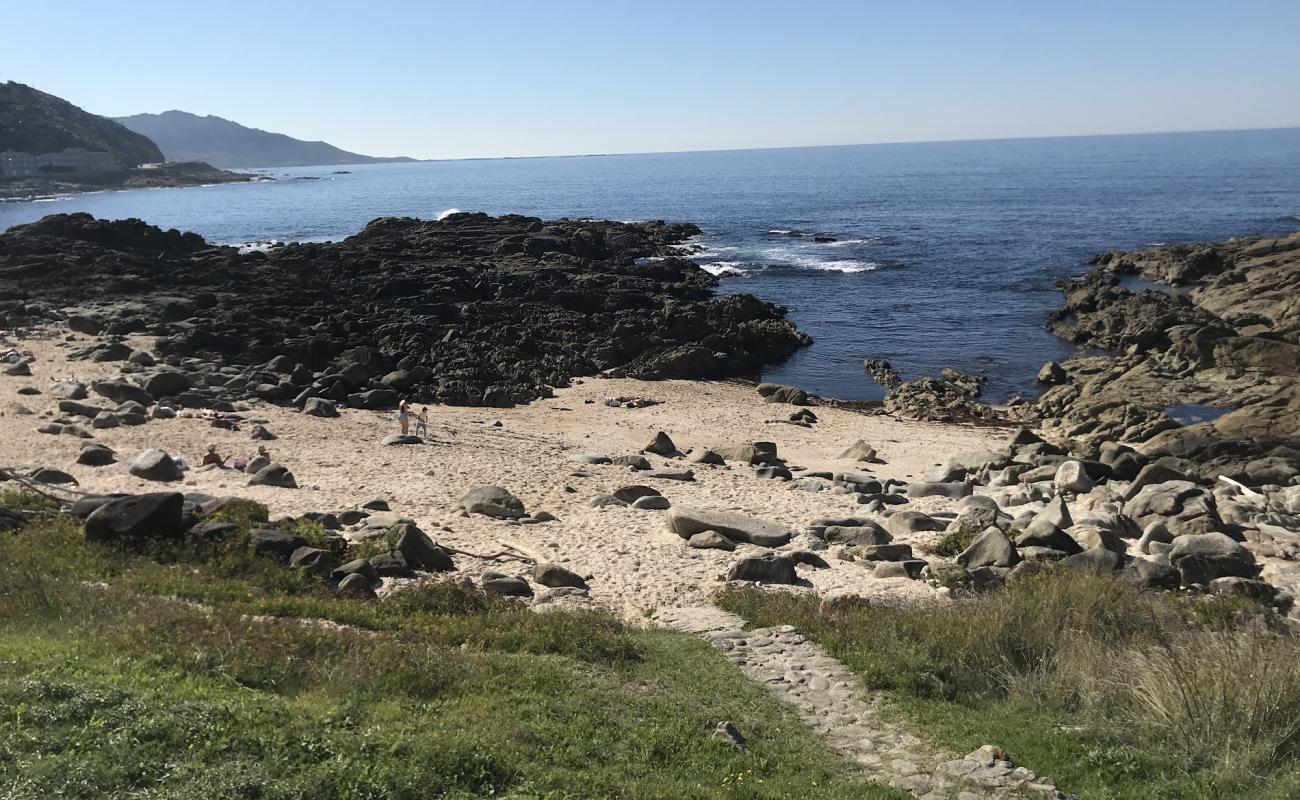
484, 78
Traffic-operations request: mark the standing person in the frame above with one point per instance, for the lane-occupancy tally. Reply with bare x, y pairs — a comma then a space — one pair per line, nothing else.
422, 422
404, 416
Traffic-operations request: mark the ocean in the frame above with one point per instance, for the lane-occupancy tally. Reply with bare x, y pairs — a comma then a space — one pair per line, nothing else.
930, 255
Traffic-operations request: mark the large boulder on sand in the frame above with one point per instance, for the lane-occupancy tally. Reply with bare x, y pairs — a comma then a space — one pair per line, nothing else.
686, 522
661, 445
1201, 558
554, 575
992, 549
274, 475
155, 465
418, 549
94, 454
160, 515
120, 391
769, 568
492, 501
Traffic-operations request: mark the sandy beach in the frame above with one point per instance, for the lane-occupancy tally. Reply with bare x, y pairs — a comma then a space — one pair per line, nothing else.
635, 563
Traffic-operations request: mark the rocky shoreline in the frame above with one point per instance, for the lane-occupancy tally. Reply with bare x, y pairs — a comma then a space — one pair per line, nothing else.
162, 176
468, 310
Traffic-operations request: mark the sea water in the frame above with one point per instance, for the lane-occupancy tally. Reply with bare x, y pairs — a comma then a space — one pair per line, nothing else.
930, 255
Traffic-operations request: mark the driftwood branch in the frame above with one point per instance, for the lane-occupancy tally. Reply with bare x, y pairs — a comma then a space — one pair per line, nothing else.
528, 554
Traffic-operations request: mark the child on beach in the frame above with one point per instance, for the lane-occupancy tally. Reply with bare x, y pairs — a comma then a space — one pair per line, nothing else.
422, 422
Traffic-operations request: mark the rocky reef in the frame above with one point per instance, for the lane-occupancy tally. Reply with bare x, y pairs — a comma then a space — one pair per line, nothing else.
468, 310
1215, 327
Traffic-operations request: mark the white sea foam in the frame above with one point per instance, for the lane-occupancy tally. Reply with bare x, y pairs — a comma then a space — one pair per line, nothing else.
845, 266
843, 242
447, 213
258, 247
725, 269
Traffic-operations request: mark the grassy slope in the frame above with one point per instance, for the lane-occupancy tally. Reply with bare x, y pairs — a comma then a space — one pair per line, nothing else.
221, 690
1114, 693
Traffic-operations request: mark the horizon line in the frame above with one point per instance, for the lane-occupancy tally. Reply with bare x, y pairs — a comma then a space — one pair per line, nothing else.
846, 144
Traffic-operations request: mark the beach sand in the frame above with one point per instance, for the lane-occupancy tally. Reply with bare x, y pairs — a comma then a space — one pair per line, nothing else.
635, 562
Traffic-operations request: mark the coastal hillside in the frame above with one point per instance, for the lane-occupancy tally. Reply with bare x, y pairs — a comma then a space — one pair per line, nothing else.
32, 121
223, 143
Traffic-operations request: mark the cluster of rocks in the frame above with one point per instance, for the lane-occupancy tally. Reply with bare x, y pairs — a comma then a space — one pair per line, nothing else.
1142, 519
142, 521
469, 309
952, 397
1218, 327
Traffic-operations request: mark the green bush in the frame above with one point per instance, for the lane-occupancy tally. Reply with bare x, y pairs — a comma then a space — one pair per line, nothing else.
954, 542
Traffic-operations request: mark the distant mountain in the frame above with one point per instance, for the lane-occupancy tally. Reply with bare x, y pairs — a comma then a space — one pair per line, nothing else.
222, 143
32, 121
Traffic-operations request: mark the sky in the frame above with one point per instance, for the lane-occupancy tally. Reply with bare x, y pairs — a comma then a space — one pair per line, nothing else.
485, 78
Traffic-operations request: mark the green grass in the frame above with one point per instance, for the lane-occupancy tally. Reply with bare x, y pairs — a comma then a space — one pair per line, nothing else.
953, 543
1113, 692
207, 673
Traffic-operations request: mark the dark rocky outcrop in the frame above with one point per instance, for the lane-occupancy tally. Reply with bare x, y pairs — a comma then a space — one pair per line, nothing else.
467, 310
1224, 334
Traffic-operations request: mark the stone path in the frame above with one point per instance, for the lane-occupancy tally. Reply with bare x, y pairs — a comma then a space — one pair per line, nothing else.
825, 694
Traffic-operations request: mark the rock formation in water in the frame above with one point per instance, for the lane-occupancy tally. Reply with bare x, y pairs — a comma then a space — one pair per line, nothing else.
470, 310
